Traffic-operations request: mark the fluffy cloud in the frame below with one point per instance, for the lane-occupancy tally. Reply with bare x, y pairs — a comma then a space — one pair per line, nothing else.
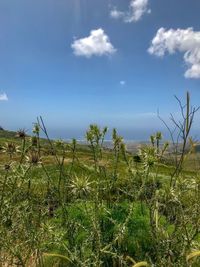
3, 97
186, 41
122, 83
137, 8
116, 14
96, 44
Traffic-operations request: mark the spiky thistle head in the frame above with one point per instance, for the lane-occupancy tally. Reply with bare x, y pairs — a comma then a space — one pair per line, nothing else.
158, 136
21, 133
33, 158
10, 148
36, 128
148, 156
81, 185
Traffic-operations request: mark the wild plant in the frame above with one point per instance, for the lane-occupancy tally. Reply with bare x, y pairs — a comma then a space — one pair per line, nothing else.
63, 206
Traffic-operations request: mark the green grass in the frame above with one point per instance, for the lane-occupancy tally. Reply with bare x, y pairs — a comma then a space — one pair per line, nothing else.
85, 205
4, 134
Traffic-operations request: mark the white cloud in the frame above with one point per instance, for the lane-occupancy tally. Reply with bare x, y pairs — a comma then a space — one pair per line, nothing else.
3, 97
96, 44
116, 14
122, 83
186, 41
137, 8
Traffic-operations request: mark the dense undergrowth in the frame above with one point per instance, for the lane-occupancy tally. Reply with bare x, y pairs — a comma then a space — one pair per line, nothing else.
63, 204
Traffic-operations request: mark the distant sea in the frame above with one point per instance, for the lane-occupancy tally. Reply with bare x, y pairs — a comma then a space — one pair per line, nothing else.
130, 136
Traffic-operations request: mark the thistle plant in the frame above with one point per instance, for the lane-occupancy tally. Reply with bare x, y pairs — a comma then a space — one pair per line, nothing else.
90, 206
81, 186
95, 138
11, 149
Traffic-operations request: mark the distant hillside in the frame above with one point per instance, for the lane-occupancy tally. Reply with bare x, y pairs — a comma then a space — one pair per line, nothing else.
7, 134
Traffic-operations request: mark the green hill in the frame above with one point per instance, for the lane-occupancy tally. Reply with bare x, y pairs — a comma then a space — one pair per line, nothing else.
7, 134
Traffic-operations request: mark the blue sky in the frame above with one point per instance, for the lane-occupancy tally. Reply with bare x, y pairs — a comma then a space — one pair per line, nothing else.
51, 63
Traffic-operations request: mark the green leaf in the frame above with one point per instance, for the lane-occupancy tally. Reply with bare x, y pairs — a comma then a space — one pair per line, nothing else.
57, 256
193, 255
141, 264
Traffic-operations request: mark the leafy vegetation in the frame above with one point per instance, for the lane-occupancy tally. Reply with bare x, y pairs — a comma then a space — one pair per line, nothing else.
62, 204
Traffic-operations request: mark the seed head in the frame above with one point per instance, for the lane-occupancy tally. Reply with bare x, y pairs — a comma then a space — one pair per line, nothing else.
33, 158
10, 148
21, 133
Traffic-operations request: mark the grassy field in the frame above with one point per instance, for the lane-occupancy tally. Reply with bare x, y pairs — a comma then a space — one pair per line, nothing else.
65, 204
